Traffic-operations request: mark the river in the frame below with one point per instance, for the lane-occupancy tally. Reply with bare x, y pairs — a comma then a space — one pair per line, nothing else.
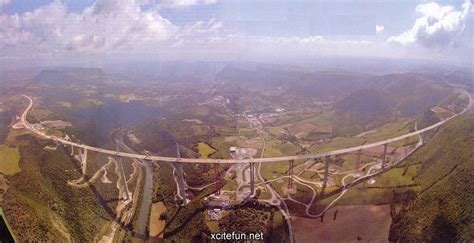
139, 229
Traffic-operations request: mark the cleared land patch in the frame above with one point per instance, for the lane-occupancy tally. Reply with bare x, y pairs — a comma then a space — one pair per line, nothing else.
369, 223
205, 150
157, 225
9, 158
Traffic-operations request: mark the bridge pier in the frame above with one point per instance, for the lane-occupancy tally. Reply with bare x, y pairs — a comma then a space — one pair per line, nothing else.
180, 174
217, 178
252, 179
83, 157
326, 170
359, 153
384, 156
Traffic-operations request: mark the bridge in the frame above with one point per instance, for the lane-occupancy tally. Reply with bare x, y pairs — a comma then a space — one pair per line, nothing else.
275, 200
178, 159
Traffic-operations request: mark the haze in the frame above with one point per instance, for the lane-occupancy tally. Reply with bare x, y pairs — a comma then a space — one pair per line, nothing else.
102, 32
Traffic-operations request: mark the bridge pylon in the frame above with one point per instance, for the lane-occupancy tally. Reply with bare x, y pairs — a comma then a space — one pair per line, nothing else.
326, 170
384, 156
180, 174
252, 179
217, 179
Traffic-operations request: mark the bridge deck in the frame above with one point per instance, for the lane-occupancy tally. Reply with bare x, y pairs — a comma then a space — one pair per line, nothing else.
233, 161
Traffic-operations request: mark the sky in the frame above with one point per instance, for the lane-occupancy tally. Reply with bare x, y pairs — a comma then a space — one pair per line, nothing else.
34, 32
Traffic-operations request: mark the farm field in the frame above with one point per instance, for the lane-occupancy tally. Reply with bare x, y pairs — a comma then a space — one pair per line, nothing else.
366, 223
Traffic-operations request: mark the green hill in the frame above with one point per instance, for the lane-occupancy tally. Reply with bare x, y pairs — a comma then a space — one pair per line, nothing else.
70, 75
366, 101
442, 209
41, 207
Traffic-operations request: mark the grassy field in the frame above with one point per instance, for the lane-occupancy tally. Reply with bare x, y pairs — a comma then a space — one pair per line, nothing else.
274, 170
441, 112
9, 158
337, 143
396, 177
13, 133
277, 131
205, 150
401, 127
54, 132
275, 147
213, 225
222, 147
248, 132
350, 161
390, 130
229, 185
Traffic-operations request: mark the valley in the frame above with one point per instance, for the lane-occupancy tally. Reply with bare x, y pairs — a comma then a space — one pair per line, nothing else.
205, 154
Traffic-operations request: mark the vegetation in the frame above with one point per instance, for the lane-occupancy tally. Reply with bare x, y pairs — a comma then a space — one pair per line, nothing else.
188, 222
9, 158
205, 150
42, 207
443, 210
249, 218
5, 119
5, 229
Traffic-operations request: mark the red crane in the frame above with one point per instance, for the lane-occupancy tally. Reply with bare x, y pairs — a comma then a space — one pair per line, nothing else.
290, 175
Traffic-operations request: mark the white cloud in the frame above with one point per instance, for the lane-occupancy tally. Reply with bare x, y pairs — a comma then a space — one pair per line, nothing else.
185, 3
379, 29
106, 27
124, 29
438, 26
4, 2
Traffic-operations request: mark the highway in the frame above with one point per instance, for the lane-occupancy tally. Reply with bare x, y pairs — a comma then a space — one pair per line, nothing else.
231, 161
